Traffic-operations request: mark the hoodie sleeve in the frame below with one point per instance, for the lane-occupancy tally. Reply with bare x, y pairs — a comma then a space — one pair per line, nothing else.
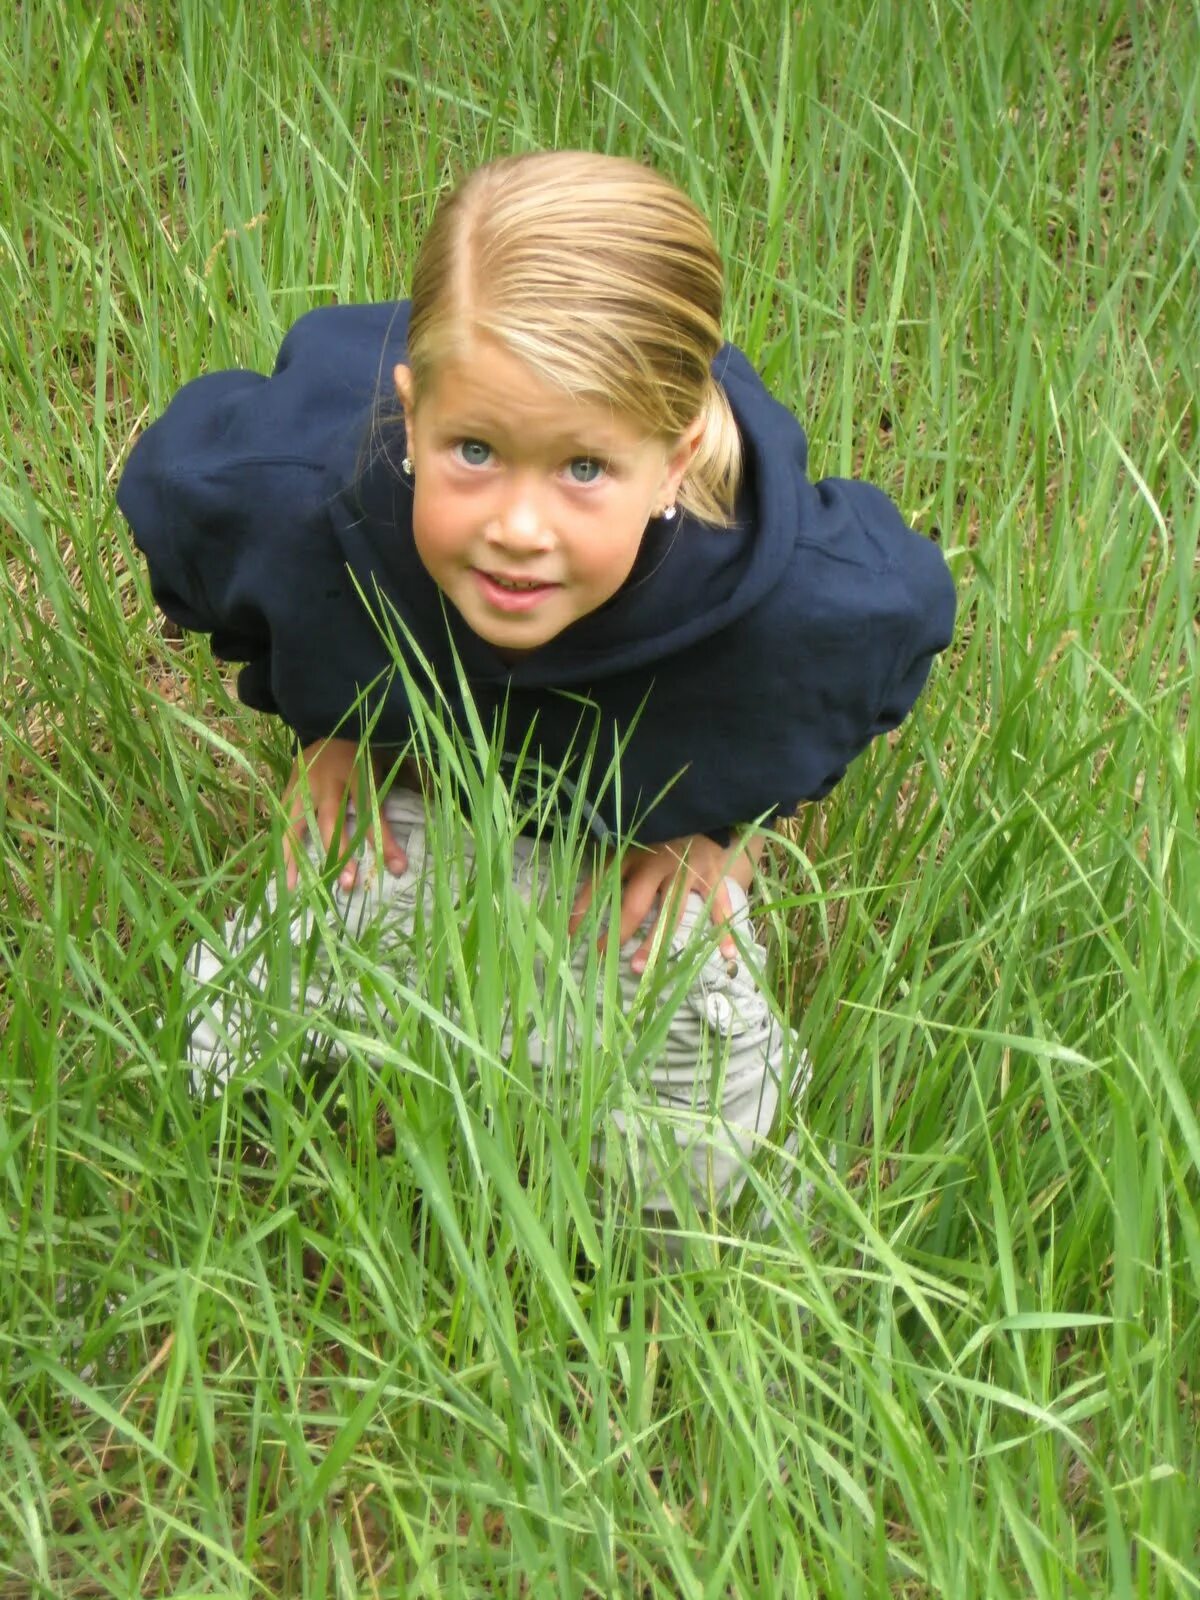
884, 608
228, 497
185, 495
836, 655
919, 625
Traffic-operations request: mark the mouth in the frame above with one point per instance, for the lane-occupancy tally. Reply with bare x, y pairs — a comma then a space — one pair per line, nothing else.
512, 594
509, 594
517, 585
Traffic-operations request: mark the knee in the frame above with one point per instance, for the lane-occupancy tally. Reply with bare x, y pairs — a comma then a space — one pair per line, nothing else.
727, 995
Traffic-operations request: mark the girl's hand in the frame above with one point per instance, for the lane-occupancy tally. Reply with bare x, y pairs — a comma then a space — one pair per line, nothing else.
668, 873
325, 773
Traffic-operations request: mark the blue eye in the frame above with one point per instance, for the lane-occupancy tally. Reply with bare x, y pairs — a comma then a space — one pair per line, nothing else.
585, 469
473, 452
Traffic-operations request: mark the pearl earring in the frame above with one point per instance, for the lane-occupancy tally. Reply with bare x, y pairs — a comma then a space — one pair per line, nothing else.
406, 467
667, 513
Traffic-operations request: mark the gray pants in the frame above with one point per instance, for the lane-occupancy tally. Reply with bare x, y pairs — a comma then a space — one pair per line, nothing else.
710, 1091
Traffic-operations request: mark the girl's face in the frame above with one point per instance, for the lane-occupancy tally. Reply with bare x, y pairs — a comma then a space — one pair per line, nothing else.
528, 507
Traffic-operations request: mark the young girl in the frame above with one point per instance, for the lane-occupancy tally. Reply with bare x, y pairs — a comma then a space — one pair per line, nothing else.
552, 473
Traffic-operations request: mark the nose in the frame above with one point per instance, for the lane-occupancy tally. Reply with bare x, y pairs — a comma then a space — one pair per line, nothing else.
518, 523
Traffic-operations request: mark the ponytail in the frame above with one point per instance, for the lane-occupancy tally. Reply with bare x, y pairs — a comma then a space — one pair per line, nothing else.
712, 479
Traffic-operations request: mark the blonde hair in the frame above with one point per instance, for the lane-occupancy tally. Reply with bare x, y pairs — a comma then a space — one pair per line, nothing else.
603, 278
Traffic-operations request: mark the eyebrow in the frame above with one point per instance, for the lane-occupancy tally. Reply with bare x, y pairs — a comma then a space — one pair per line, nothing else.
562, 445
467, 426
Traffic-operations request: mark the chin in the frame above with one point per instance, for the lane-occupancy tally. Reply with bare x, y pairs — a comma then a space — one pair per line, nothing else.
512, 646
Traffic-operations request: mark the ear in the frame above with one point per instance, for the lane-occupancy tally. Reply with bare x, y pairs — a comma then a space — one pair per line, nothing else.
402, 378
680, 457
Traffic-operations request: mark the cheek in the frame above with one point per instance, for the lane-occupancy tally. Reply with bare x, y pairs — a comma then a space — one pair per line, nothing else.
606, 563
436, 530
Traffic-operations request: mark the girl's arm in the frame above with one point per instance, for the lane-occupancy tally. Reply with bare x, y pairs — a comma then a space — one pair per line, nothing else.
668, 873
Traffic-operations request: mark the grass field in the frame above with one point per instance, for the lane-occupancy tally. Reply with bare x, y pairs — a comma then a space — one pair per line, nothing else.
367, 1338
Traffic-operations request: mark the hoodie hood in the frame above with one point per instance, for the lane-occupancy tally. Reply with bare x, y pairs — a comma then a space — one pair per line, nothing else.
689, 581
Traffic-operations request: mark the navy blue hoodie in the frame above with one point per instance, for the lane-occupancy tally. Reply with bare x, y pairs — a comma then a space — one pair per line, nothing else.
738, 669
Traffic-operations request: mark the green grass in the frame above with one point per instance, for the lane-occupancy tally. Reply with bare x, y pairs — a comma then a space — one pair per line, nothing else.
370, 1338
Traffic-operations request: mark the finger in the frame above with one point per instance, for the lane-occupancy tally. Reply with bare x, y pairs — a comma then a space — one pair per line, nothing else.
580, 909
667, 924
638, 894
587, 893
385, 842
291, 849
294, 832
393, 852
721, 911
330, 816
658, 936
291, 860
636, 907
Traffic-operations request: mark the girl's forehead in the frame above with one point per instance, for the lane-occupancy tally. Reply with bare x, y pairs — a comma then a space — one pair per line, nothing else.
487, 387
